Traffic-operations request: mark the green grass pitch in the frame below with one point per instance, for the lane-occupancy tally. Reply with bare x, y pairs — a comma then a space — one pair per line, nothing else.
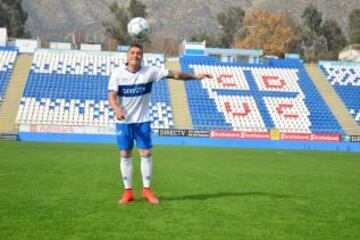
70, 191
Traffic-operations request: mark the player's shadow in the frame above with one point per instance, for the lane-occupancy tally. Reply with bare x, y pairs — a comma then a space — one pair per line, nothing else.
207, 196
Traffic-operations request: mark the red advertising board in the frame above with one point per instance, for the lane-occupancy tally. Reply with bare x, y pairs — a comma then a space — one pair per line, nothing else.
295, 136
310, 137
239, 134
326, 137
283, 136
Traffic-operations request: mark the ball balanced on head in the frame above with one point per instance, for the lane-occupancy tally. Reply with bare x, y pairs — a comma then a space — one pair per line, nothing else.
138, 28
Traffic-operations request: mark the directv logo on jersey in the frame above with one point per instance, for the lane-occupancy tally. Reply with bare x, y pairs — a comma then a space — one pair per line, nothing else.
134, 90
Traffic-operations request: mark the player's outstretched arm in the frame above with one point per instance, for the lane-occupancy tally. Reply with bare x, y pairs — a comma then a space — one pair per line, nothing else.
119, 114
188, 76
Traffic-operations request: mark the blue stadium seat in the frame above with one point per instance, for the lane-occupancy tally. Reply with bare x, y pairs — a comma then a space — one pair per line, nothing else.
7, 61
345, 79
69, 88
256, 97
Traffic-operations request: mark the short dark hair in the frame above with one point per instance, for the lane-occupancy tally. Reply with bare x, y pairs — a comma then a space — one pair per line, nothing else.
136, 45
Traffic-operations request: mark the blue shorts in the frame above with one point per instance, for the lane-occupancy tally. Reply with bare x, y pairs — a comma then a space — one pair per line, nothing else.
127, 133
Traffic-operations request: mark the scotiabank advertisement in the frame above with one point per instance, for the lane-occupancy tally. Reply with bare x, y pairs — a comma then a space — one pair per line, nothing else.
239, 134
310, 137
283, 136
35, 128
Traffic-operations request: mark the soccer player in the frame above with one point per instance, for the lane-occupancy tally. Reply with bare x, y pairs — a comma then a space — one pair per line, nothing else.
129, 95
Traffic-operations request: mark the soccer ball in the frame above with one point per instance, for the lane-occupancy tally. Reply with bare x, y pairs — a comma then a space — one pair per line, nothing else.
138, 28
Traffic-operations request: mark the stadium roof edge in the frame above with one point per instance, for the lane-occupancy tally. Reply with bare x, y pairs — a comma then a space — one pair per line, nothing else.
105, 53
339, 63
193, 43
244, 52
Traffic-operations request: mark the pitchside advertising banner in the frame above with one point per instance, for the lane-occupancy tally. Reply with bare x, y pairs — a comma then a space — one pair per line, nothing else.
181, 133
283, 136
351, 138
37, 128
355, 138
109, 130
239, 134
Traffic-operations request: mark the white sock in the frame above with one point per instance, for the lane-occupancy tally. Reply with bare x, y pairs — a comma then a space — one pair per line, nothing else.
126, 171
146, 169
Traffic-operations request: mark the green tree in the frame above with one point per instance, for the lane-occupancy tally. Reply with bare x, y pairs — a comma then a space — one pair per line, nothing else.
13, 17
354, 25
320, 39
312, 40
137, 9
312, 18
231, 23
4, 17
201, 35
335, 39
117, 27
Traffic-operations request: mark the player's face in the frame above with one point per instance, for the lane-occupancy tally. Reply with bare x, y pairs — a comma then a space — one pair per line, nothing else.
134, 56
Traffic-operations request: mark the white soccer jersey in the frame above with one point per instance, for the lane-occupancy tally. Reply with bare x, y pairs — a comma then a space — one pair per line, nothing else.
134, 89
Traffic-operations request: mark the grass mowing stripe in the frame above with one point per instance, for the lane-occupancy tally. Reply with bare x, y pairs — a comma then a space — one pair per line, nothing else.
69, 191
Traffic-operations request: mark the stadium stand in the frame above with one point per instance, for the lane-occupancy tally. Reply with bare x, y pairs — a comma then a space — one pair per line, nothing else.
345, 79
69, 88
256, 97
7, 61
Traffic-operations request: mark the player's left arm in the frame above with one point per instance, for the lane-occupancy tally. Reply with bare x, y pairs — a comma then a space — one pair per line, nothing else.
187, 76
